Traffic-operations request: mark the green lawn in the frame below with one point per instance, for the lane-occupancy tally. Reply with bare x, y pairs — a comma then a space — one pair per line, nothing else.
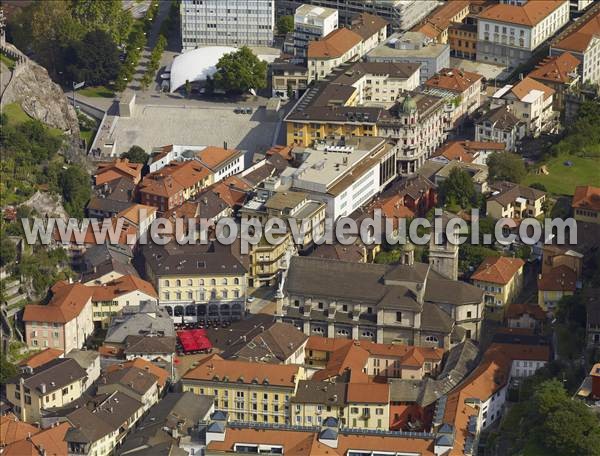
10, 63
97, 92
562, 179
15, 115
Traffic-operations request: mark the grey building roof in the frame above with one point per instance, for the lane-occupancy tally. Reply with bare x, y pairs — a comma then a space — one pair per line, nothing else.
52, 376
85, 358
181, 411
149, 345
93, 423
445, 291
500, 118
405, 390
274, 345
435, 319
135, 379
211, 259
315, 392
158, 323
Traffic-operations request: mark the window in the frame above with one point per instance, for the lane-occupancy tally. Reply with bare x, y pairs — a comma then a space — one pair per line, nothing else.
398, 316
65, 391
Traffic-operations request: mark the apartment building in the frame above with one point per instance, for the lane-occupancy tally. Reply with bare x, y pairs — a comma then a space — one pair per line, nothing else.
340, 46
476, 152
371, 28
583, 41
367, 406
288, 80
196, 282
254, 392
401, 14
100, 426
460, 89
586, 204
137, 383
174, 184
292, 206
226, 23
477, 173
413, 47
500, 125
406, 303
462, 38
107, 172
54, 384
501, 279
312, 23
437, 24
65, 322
509, 200
346, 174
554, 284
316, 401
508, 34
531, 102
561, 74
529, 316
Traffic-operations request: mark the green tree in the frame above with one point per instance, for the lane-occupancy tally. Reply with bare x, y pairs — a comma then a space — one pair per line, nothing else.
458, 189
7, 369
136, 154
8, 251
539, 186
75, 187
94, 59
285, 25
107, 15
505, 166
241, 71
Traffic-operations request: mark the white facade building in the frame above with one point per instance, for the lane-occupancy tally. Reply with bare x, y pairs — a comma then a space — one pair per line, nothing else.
345, 176
227, 23
312, 23
508, 34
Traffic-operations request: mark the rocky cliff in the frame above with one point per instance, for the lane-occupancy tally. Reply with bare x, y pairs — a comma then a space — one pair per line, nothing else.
40, 97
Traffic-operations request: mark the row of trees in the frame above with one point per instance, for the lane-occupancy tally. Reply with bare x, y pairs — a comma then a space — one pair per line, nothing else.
154, 61
69, 36
582, 136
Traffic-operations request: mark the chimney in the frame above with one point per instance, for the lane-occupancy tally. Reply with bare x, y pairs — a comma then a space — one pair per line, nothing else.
225, 145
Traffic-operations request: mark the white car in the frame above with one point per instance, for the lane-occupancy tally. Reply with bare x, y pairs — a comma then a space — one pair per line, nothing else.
251, 299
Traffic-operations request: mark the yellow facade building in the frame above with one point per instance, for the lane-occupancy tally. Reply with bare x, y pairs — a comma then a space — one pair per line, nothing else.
255, 392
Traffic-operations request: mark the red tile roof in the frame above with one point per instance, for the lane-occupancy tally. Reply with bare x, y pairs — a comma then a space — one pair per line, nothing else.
579, 36
517, 310
561, 69
42, 357
453, 79
51, 440
12, 430
498, 270
334, 45
173, 178
587, 197
530, 14
106, 172
68, 300
121, 286
559, 278
214, 157
373, 393
215, 367
528, 84
161, 374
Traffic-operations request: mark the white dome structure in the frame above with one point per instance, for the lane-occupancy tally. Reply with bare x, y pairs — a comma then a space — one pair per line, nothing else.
196, 65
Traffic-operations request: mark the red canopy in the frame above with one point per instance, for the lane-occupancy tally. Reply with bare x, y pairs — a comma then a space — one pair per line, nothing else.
194, 340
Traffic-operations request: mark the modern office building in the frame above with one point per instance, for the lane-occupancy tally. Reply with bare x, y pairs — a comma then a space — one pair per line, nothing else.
226, 22
413, 47
312, 23
402, 14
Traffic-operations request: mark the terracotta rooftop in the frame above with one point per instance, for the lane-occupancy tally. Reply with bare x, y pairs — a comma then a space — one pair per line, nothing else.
587, 197
42, 357
578, 37
498, 270
367, 25
135, 212
215, 368
215, 157
530, 14
559, 278
561, 69
441, 17
68, 300
174, 177
524, 87
48, 442
453, 79
373, 393
516, 310
12, 430
122, 286
334, 45
106, 172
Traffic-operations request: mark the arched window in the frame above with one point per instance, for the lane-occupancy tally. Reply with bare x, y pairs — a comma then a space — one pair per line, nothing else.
213, 282
178, 283
167, 283
201, 281
236, 281
189, 282
224, 281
